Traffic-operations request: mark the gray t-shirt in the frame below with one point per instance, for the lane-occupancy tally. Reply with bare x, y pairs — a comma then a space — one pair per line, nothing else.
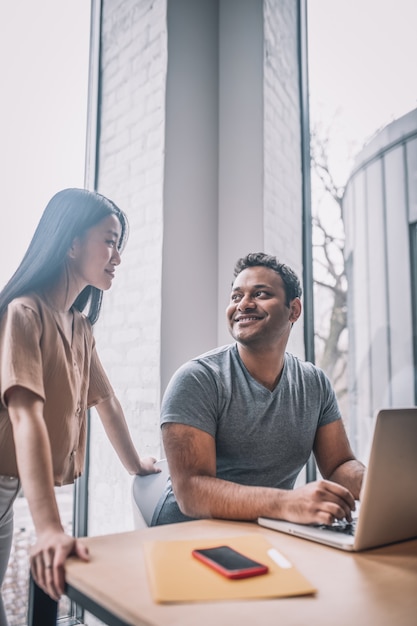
262, 437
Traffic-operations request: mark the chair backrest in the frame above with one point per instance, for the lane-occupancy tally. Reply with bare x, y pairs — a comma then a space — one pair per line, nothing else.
146, 491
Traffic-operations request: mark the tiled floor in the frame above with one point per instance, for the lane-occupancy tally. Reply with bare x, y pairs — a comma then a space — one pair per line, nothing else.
15, 585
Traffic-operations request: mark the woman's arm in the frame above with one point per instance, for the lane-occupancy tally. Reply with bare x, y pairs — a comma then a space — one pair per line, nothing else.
34, 460
114, 422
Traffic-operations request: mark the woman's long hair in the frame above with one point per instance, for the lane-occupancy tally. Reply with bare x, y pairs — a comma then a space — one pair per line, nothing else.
69, 214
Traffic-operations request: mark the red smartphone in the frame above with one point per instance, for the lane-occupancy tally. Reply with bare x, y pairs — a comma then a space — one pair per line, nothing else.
229, 562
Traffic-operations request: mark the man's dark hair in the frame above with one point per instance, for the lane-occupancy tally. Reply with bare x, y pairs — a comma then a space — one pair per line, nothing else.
289, 277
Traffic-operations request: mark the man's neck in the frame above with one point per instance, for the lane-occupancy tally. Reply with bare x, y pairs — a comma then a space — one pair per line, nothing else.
264, 365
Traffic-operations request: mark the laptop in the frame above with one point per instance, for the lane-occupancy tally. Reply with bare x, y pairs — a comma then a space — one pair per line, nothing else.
388, 503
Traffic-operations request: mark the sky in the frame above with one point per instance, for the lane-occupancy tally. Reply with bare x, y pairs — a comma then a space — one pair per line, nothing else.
44, 51
362, 70
362, 76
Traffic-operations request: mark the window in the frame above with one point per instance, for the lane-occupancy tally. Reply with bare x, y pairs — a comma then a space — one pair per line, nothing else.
364, 190
44, 60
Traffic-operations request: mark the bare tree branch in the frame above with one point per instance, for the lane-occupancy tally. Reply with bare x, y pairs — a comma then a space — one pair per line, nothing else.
329, 276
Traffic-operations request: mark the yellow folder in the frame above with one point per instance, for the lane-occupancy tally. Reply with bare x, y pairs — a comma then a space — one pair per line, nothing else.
176, 576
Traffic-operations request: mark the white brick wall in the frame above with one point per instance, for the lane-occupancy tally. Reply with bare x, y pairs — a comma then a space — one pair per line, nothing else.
130, 172
282, 200
282, 143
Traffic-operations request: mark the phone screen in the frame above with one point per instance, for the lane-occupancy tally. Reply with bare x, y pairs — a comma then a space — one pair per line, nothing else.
229, 562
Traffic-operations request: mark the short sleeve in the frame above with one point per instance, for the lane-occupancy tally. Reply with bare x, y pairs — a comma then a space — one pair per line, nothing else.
192, 398
330, 411
20, 350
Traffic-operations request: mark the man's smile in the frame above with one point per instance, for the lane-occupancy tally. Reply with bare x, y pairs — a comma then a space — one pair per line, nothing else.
247, 318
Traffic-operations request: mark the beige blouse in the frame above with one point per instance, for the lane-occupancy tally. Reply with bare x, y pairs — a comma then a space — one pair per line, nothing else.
35, 354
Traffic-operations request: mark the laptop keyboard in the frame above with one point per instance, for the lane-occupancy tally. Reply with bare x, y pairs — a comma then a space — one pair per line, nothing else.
341, 526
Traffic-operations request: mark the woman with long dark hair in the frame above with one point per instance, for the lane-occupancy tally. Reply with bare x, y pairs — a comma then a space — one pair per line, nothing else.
50, 373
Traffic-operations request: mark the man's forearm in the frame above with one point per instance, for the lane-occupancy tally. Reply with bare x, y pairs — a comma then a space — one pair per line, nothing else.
210, 497
350, 474
317, 502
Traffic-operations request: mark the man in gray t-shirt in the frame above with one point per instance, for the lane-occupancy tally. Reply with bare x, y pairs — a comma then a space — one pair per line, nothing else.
240, 422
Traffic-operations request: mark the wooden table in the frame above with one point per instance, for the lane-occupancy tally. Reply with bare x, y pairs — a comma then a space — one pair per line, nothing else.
377, 587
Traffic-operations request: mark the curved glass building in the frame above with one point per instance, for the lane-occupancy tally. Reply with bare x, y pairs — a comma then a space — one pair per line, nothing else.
380, 216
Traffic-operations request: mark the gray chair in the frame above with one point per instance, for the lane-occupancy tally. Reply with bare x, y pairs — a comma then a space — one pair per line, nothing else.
146, 491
